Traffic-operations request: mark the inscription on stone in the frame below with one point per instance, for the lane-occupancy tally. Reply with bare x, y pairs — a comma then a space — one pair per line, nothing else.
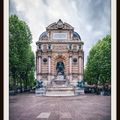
60, 36
60, 47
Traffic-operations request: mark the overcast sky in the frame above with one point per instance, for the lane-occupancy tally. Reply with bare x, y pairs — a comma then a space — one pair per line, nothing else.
90, 18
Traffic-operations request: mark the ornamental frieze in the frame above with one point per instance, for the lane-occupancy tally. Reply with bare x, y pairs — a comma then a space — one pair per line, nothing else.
60, 47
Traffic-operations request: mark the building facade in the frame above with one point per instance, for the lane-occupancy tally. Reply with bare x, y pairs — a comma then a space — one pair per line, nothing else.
59, 43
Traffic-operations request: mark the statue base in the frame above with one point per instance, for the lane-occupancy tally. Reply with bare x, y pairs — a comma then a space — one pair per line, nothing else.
60, 87
40, 91
79, 91
59, 80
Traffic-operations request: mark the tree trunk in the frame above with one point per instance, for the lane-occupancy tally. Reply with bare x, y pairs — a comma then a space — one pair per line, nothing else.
14, 85
21, 86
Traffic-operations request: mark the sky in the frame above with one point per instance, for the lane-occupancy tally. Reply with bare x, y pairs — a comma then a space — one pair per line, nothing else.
91, 19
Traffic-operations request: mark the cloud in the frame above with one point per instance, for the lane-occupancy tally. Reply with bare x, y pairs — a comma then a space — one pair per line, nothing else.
90, 18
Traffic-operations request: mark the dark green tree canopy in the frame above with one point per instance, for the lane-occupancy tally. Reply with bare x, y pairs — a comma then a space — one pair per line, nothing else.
98, 67
21, 57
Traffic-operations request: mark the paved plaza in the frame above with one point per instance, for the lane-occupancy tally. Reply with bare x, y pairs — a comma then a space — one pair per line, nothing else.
85, 107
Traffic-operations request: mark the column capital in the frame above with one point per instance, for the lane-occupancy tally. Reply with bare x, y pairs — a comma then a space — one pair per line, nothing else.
70, 56
80, 56
49, 53
39, 52
39, 73
39, 56
80, 51
80, 73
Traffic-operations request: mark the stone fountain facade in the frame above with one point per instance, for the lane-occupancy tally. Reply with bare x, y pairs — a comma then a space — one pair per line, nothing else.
59, 44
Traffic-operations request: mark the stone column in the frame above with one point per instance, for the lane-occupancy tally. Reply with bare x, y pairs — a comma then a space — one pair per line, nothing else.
49, 67
81, 68
39, 68
70, 64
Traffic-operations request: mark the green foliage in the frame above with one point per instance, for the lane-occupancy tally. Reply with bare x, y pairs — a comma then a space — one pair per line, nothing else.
98, 67
21, 57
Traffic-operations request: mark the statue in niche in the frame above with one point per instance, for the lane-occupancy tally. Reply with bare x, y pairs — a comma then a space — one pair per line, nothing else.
49, 46
80, 47
60, 68
70, 46
40, 47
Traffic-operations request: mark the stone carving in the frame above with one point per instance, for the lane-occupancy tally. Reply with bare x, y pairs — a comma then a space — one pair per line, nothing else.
40, 88
39, 84
60, 24
80, 84
60, 47
60, 76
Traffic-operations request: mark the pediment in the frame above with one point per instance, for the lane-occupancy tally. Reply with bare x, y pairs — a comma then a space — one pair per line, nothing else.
59, 25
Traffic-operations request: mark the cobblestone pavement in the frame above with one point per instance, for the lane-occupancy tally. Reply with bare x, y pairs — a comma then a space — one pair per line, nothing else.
85, 107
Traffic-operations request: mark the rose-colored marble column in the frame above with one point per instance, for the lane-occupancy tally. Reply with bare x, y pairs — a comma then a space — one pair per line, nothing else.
49, 67
80, 68
70, 64
39, 68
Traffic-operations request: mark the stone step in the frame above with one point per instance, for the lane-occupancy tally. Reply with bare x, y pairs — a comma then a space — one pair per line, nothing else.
60, 89
60, 93
59, 82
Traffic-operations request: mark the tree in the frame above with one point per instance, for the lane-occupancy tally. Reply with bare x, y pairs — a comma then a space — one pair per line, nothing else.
98, 67
21, 57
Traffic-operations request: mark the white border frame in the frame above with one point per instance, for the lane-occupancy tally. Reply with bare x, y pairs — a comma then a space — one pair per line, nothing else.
6, 59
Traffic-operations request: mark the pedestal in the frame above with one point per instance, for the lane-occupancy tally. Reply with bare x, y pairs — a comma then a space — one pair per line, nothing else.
40, 91
79, 91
